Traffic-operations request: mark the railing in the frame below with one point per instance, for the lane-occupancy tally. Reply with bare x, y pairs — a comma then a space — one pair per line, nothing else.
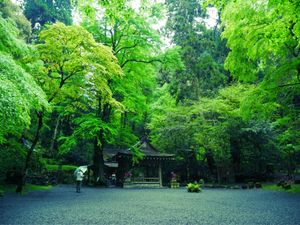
145, 179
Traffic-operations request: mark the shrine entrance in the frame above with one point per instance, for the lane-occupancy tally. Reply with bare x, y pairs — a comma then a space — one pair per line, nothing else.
147, 172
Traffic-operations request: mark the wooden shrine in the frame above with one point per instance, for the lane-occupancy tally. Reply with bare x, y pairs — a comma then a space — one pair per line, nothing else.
146, 173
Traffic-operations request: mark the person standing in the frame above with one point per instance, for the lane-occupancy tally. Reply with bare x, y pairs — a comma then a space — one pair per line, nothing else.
79, 178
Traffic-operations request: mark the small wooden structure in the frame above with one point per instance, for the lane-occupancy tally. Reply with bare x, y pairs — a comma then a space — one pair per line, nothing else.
146, 173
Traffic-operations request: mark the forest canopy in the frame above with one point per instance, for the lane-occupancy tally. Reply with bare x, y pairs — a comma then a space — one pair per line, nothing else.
77, 77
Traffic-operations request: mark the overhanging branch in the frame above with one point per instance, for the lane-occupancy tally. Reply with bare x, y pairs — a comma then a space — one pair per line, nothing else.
126, 47
287, 85
139, 61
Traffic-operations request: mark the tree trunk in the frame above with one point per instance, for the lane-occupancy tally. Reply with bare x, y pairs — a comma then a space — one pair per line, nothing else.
51, 150
218, 175
37, 132
99, 143
188, 170
98, 161
34, 142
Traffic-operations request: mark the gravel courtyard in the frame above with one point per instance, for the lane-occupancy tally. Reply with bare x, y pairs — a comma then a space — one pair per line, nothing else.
62, 205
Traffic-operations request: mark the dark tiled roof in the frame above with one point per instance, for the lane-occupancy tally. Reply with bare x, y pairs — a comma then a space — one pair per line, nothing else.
146, 148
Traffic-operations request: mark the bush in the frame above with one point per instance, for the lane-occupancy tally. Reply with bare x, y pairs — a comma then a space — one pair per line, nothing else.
193, 187
297, 182
61, 167
244, 186
12, 155
235, 187
174, 183
258, 185
286, 186
250, 185
280, 183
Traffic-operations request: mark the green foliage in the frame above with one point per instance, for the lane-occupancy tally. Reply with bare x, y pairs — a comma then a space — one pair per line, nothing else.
191, 187
214, 127
10, 43
12, 155
70, 53
202, 52
27, 188
87, 127
40, 12
137, 155
79, 68
60, 167
19, 92
107, 93
264, 41
295, 188
134, 43
13, 12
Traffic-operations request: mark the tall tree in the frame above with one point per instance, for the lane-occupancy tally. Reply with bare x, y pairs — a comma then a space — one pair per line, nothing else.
20, 94
40, 12
69, 55
19, 91
264, 39
203, 52
14, 12
134, 43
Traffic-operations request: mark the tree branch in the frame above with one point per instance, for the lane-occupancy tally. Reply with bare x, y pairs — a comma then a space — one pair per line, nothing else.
126, 47
49, 75
119, 40
139, 61
287, 85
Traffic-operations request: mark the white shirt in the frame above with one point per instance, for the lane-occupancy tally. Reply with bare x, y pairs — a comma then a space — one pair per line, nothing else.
79, 175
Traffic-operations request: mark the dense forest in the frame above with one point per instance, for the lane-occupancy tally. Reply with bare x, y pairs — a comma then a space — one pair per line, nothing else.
77, 77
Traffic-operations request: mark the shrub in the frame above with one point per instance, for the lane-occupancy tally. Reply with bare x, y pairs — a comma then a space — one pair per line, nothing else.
11, 155
244, 186
235, 187
250, 185
286, 186
258, 185
174, 183
193, 187
280, 183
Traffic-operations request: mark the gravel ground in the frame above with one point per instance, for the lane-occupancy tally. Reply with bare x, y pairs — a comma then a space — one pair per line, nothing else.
62, 205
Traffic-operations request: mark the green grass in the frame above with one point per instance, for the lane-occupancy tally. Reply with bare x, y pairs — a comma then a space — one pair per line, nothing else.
273, 187
26, 189
7, 188
64, 167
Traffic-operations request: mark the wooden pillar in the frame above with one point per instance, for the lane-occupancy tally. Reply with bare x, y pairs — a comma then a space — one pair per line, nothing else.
160, 173
88, 179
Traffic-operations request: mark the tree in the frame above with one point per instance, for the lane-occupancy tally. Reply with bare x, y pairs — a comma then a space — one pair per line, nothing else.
11, 11
264, 41
134, 44
94, 122
196, 73
19, 91
69, 55
20, 94
202, 51
40, 12
213, 130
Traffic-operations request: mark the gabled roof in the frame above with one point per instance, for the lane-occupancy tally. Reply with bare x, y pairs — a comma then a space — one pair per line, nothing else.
149, 151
